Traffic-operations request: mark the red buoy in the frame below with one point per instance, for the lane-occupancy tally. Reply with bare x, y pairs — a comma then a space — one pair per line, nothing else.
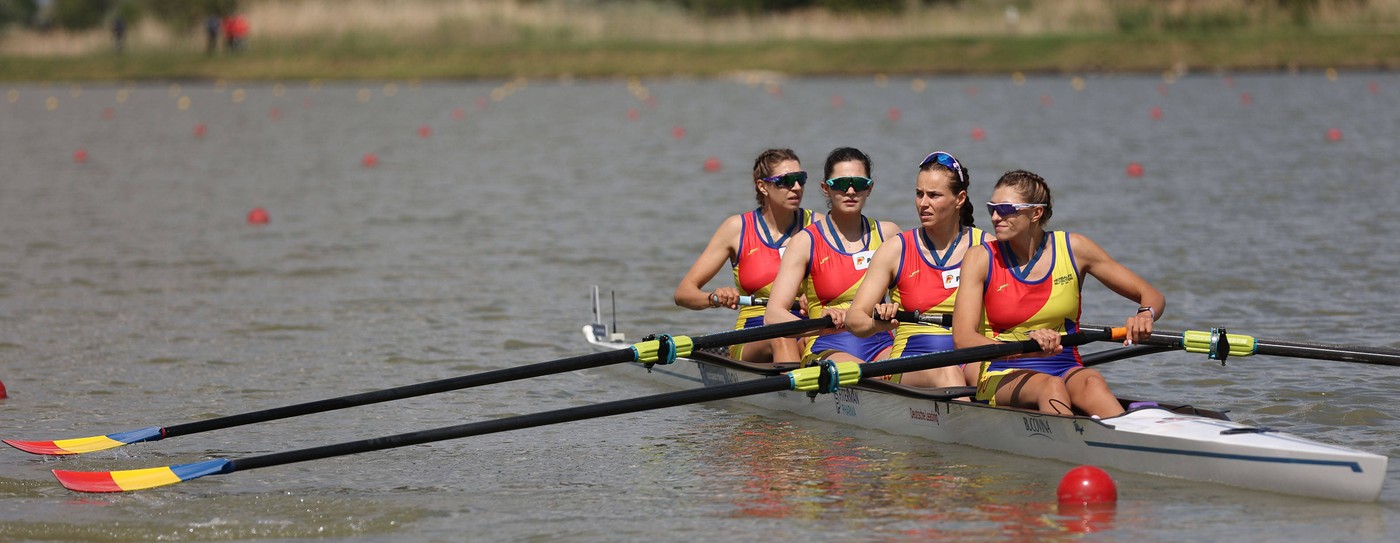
678, 132
459, 113
1246, 98
108, 113
978, 134
1156, 113
258, 215
1374, 87
712, 164
838, 101
894, 114
1046, 100
633, 114
274, 113
425, 131
1085, 485
1334, 134
1134, 169
200, 130
80, 156
370, 160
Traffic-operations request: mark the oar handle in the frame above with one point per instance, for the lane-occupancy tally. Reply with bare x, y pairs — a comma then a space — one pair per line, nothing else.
941, 319
761, 301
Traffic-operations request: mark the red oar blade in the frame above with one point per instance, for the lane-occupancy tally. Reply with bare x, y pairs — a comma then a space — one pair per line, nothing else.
87, 444
138, 479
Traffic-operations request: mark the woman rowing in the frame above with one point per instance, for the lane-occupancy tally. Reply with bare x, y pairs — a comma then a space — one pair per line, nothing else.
920, 269
834, 254
753, 244
1028, 283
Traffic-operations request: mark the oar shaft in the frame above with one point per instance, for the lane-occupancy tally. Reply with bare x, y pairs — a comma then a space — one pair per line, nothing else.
1317, 351
660, 401
487, 378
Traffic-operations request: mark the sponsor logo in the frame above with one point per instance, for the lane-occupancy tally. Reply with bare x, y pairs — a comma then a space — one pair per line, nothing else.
917, 414
823, 261
713, 375
1002, 287
1064, 280
1036, 426
752, 250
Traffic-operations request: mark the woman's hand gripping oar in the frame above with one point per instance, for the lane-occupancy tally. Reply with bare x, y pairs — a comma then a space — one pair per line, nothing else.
664, 351
824, 378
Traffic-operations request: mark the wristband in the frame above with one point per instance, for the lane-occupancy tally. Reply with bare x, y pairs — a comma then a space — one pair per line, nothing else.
1148, 309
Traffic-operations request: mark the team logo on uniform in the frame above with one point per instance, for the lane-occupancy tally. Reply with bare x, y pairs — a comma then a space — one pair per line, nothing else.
951, 278
1003, 287
862, 259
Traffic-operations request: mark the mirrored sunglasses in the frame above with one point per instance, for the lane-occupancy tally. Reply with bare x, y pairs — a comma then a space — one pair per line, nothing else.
787, 180
842, 183
1007, 210
945, 159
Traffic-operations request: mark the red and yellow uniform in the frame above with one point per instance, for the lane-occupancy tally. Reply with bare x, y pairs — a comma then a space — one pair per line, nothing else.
1015, 306
833, 278
925, 287
756, 265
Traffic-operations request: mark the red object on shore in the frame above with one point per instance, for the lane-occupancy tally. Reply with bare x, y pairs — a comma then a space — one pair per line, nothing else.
257, 216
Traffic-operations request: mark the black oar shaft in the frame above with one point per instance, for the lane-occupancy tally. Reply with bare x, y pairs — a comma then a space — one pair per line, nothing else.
1316, 351
1120, 353
659, 401
488, 378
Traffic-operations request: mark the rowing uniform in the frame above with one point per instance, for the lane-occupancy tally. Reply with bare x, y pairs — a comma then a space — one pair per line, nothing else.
756, 265
1014, 306
926, 287
834, 276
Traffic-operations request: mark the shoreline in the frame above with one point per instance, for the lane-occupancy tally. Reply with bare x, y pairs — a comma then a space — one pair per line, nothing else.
1167, 54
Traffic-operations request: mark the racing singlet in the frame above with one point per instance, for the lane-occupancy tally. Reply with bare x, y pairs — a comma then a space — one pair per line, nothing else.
833, 278
1014, 306
926, 287
756, 265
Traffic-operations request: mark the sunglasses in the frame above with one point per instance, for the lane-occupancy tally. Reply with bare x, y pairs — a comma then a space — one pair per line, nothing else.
1007, 210
946, 160
787, 180
843, 183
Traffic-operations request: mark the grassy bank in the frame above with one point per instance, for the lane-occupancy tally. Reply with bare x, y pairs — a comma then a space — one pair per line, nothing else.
1064, 54
369, 39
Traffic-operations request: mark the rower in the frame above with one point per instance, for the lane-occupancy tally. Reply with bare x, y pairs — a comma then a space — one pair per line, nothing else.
830, 257
1028, 282
753, 244
920, 270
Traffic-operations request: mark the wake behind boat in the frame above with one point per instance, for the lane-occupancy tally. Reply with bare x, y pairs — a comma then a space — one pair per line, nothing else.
1151, 437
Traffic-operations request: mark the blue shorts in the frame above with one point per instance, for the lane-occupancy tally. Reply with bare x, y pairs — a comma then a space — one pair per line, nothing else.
865, 349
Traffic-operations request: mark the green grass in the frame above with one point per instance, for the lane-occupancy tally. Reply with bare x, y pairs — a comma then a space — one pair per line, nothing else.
371, 57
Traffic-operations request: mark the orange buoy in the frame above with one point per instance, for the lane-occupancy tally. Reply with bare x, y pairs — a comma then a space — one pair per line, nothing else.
370, 160
258, 215
1334, 134
425, 131
80, 156
200, 130
1134, 169
712, 164
1086, 485
978, 134
1156, 113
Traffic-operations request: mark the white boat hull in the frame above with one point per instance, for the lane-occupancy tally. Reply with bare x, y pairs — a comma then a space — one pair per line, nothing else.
1150, 440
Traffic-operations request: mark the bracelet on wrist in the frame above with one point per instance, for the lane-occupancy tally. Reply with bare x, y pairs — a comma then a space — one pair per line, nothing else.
1148, 309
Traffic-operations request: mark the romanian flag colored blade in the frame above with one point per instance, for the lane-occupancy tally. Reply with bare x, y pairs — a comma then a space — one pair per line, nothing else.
138, 479
87, 444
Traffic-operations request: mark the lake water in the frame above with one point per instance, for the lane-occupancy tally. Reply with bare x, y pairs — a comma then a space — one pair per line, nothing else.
133, 293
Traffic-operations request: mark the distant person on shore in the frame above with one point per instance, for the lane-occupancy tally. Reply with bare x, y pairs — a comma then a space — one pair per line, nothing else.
235, 32
119, 33
211, 32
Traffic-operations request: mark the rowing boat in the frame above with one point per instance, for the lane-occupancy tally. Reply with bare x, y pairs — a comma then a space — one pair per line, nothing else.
1151, 437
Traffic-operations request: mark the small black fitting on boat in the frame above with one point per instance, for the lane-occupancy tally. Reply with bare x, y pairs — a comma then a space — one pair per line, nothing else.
1219, 345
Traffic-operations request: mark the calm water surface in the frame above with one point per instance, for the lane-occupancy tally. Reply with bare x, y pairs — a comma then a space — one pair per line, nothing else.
133, 293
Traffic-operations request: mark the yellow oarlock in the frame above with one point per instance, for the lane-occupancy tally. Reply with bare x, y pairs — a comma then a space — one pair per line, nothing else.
1200, 341
649, 352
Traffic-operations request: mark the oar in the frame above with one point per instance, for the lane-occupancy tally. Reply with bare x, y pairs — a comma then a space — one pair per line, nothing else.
941, 319
1219, 345
663, 350
824, 378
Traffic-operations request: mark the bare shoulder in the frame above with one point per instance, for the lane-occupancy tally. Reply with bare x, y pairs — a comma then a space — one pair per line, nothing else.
889, 230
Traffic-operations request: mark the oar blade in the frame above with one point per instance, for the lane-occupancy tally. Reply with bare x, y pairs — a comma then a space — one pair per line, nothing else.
86, 444
138, 479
